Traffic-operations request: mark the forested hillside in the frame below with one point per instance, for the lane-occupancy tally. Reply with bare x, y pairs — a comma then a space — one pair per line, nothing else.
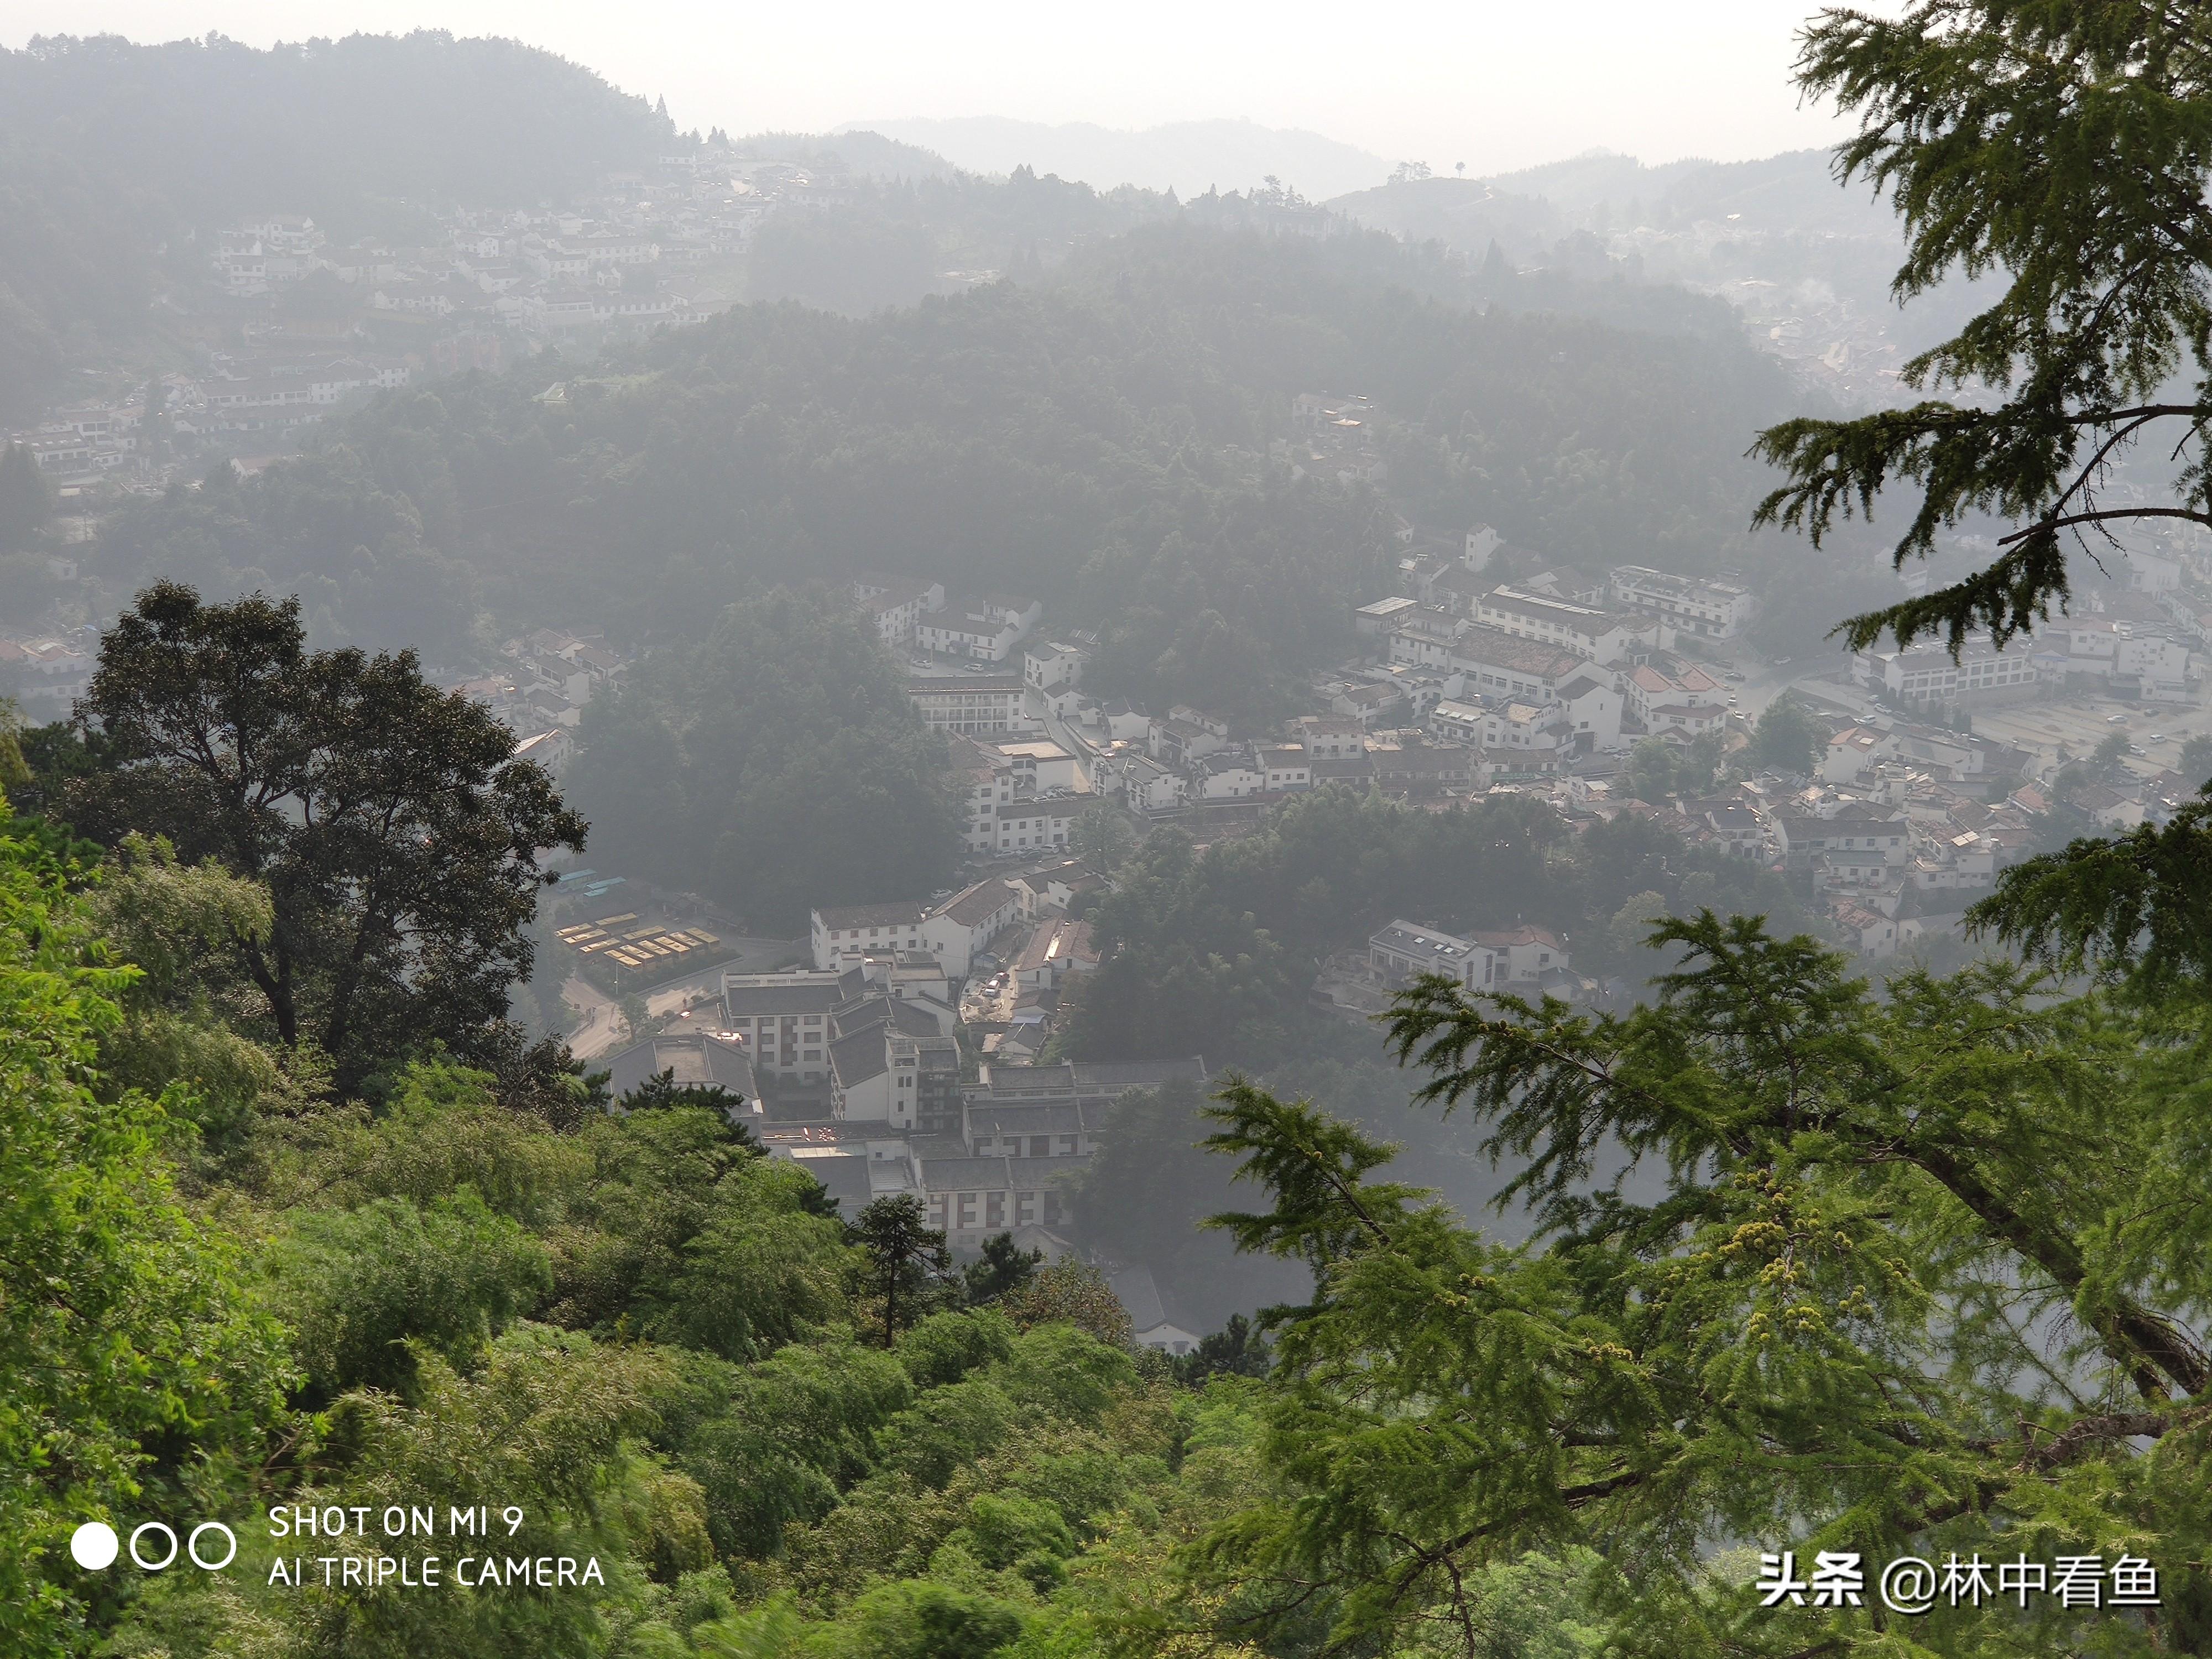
1097, 439
117, 158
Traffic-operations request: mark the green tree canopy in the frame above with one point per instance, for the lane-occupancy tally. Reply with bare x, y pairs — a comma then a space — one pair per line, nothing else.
130, 1345
1786, 738
777, 766
907, 1261
1906, 1276
2066, 149
396, 834
27, 501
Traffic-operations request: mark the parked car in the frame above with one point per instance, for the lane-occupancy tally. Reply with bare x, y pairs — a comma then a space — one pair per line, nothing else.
2116, 720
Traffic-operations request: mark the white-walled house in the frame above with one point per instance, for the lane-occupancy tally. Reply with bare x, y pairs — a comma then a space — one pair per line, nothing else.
965, 923
985, 629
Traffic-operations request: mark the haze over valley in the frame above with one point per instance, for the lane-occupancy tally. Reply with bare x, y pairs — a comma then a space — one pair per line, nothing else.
1076, 874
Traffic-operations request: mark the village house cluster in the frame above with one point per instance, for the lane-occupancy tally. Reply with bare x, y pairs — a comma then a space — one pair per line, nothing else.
288, 323
861, 1052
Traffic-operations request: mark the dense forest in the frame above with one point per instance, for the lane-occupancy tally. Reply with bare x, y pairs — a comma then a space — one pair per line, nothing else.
773, 762
1213, 951
117, 160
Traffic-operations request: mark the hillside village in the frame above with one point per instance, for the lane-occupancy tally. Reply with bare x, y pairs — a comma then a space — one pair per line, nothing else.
912, 1049
289, 325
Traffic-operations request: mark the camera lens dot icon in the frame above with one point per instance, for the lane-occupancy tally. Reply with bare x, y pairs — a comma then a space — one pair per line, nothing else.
93, 1546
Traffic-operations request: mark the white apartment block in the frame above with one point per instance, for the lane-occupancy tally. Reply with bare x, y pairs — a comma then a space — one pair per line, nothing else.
1599, 635
1041, 766
1486, 961
784, 1020
843, 937
1049, 667
1926, 673
950, 933
1712, 609
974, 707
1285, 765
1026, 824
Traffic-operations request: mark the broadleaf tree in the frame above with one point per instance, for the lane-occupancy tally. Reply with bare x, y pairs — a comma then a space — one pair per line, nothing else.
396, 832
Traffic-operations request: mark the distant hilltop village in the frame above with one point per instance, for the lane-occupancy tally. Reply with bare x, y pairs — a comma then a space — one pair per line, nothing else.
289, 324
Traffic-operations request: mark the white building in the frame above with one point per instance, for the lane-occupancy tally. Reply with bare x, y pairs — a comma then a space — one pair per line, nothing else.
893, 606
1285, 766
1600, 636
986, 779
842, 937
1226, 776
784, 1018
1687, 703
1926, 672
1712, 609
1042, 766
1035, 823
1486, 961
974, 706
965, 923
984, 630
1049, 666
1593, 705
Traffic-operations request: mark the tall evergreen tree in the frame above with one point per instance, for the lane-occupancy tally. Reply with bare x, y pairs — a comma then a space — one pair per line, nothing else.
906, 1257
2066, 146
1915, 1275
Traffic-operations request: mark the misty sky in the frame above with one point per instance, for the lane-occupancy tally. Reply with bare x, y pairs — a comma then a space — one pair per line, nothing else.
1498, 85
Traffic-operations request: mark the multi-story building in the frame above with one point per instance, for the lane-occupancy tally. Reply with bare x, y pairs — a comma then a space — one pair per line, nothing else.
784, 1018
1049, 666
1599, 636
1404, 951
1712, 609
1685, 702
986, 779
842, 938
974, 706
888, 1065
1521, 956
1285, 766
1855, 827
1033, 823
1928, 674
893, 606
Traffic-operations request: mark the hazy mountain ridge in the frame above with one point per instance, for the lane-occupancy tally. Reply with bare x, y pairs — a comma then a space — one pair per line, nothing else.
1190, 157
117, 158
1807, 261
